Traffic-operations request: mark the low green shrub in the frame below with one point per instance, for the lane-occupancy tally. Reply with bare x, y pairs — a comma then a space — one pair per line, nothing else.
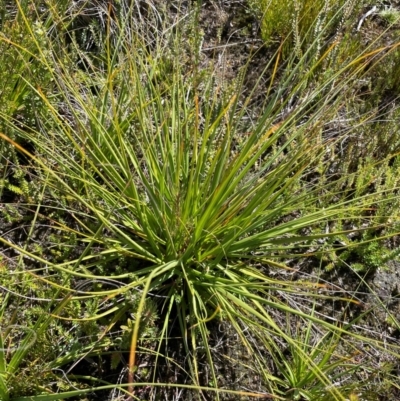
305, 23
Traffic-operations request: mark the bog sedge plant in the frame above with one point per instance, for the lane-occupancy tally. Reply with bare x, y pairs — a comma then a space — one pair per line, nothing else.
300, 379
148, 169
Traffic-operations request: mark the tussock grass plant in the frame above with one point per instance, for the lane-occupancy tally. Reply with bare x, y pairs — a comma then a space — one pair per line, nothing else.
205, 207
301, 380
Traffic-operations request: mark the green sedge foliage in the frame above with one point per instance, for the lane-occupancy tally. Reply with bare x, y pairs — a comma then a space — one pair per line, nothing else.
159, 167
301, 380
